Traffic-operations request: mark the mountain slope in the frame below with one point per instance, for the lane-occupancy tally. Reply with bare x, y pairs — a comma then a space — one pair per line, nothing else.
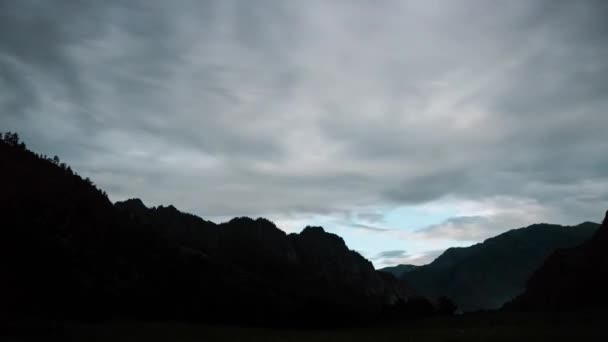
572, 279
399, 270
488, 274
314, 266
67, 251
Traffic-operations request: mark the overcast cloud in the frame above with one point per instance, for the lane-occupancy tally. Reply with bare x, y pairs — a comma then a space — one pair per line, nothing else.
485, 116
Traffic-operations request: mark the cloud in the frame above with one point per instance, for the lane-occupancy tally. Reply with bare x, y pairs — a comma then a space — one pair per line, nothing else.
486, 219
368, 227
391, 258
391, 254
304, 109
373, 217
468, 228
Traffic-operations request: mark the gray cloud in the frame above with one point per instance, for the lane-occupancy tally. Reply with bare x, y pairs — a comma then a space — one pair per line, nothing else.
467, 228
374, 217
507, 213
391, 254
390, 258
424, 258
274, 108
367, 227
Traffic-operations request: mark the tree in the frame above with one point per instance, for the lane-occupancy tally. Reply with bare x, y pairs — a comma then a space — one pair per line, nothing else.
10, 138
56, 160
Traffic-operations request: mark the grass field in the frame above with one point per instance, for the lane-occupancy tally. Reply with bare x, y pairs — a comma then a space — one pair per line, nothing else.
488, 327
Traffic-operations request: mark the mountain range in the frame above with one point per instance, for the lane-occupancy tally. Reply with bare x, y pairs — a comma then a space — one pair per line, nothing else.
570, 280
67, 251
488, 274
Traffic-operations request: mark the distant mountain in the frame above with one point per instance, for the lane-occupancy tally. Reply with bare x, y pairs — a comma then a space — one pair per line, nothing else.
67, 251
488, 274
399, 270
574, 279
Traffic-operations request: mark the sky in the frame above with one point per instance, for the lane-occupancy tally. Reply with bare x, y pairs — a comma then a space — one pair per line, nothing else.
406, 127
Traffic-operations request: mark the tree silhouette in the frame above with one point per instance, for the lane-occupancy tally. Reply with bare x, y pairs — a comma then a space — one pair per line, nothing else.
12, 139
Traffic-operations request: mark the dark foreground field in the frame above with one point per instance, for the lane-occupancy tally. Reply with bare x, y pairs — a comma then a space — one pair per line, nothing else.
488, 327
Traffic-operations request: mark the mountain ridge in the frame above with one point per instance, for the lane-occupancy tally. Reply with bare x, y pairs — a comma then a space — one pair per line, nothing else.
488, 274
69, 252
570, 279
399, 270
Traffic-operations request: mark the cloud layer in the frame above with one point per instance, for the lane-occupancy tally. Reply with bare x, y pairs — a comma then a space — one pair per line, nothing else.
297, 110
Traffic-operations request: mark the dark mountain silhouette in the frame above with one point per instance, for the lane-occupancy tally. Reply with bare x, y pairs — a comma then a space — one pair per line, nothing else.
574, 279
398, 270
313, 266
67, 251
488, 274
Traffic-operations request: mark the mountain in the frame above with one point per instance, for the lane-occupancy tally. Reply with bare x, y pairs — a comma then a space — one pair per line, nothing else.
399, 270
67, 251
488, 274
313, 266
573, 279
